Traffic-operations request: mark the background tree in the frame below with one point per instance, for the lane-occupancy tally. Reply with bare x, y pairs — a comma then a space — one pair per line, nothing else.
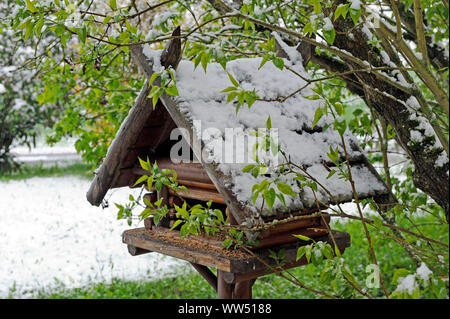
20, 111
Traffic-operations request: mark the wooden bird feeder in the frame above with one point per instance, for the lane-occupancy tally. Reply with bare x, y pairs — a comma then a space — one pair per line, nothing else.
146, 133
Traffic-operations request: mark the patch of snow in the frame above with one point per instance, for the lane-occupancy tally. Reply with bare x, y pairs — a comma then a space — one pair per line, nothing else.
423, 272
442, 159
328, 26
424, 124
51, 236
407, 284
356, 4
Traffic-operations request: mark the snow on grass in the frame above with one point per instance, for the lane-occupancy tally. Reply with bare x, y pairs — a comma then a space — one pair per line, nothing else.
50, 237
43, 153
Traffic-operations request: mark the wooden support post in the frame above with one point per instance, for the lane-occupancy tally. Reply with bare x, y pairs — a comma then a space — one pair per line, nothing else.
148, 222
151, 197
230, 216
224, 289
207, 274
243, 290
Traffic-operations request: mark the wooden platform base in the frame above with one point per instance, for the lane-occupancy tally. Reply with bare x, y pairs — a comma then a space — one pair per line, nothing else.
237, 270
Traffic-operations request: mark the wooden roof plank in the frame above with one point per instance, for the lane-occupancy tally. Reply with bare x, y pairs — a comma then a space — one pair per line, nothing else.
128, 133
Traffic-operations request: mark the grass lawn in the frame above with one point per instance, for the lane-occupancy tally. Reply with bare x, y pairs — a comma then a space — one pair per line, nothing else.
27, 171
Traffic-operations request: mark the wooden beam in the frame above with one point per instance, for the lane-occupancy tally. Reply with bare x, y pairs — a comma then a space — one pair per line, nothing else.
136, 120
210, 255
200, 194
185, 172
110, 169
288, 237
171, 54
136, 251
243, 290
197, 184
191, 251
207, 274
289, 226
224, 289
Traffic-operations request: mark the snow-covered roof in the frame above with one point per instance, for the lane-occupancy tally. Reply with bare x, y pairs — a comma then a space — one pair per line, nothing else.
201, 105
200, 100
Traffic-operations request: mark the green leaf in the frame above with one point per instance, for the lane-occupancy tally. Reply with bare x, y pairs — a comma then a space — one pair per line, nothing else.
231, 96
31, 6
337, 252
150, 182
317, 116
145, 165
286, 189
106, 20
269, 196
235, 83
269, 123
341, 10
255, 172
349, 275
141, 179
327, 251
156, 97
399, 273
317, 6
331, 173
176, 223
339, 108
153, 78
282, 200
248, 168
308, 251
172, 90
278, 62
251, 98
228, 89
39, 26
153, 91
82, 34
300, 253
113, 4
340, 126
182, 211
158, 185
28, 30
241, 97
204, 60
227, 243
308, 28
355, 14
264, 60
302, 237
329, 35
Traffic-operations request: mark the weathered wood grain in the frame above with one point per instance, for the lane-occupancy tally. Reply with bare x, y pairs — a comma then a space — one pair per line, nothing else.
189, 250
129, 131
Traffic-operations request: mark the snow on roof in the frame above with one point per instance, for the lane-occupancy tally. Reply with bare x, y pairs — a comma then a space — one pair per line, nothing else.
200, 101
